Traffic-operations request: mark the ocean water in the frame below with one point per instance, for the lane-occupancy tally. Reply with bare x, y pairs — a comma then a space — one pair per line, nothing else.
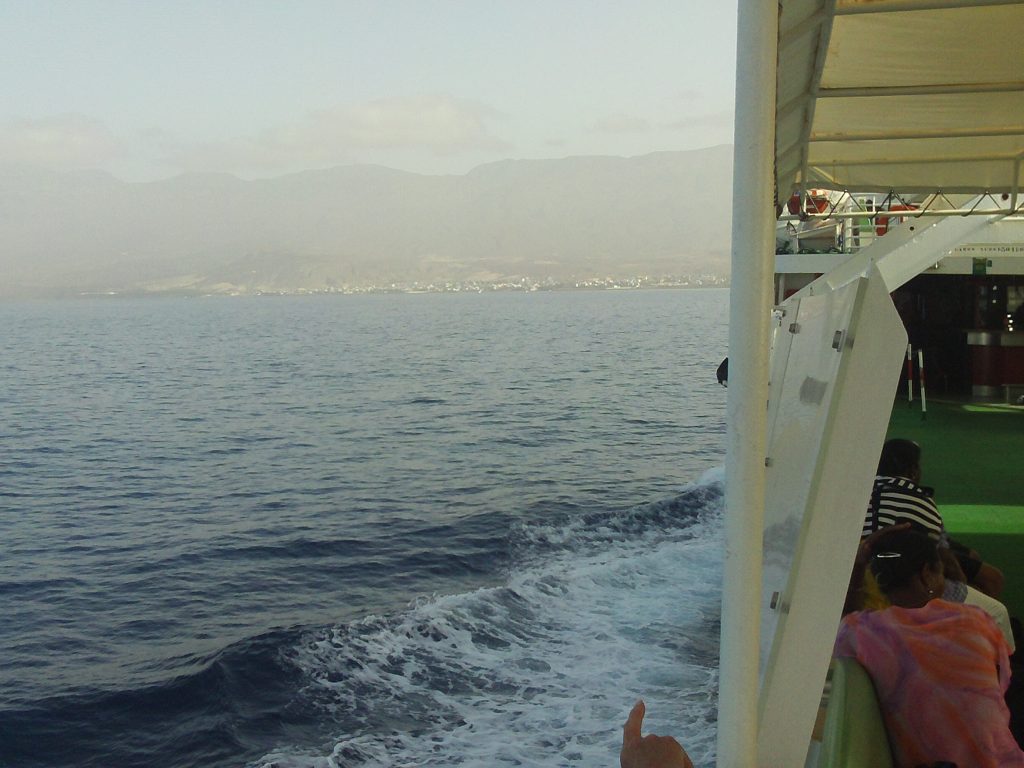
392, 530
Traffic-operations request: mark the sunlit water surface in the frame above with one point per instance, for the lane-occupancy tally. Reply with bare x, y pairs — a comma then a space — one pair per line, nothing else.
394, 530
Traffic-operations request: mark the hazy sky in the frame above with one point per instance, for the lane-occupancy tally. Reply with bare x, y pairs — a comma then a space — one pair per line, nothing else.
149, 88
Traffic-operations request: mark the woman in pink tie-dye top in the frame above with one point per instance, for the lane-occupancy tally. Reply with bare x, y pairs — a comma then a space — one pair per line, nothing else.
940, 669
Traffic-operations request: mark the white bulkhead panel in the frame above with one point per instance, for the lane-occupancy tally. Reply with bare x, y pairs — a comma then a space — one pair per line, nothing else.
835, 368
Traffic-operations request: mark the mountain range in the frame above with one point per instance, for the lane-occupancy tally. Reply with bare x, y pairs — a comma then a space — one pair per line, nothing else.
577, 218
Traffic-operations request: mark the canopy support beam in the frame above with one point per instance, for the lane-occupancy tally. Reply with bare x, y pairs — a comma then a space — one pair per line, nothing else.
901, 6
835, 161
1013, 86
966, 133
824, 36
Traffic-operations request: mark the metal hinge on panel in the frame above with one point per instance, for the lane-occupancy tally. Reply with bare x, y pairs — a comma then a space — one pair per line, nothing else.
837, 340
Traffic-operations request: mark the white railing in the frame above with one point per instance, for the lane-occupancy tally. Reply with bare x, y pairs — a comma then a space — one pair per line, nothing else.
858, 219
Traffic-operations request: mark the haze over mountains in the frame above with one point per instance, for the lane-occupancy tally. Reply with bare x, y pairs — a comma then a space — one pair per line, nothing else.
574, 219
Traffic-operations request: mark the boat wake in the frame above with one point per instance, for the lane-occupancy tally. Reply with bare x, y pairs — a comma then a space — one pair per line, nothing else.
594, 611
597, 610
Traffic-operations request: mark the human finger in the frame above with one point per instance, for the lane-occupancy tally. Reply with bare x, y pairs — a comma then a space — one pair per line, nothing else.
634, 724
665, 751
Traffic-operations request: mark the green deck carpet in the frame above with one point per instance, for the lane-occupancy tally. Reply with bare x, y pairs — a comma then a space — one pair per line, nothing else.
973, 455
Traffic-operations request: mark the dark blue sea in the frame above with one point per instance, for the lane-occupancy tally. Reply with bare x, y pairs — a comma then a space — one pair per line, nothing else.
384, 530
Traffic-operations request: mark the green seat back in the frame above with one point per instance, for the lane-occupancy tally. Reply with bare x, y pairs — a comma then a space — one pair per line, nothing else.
854, 735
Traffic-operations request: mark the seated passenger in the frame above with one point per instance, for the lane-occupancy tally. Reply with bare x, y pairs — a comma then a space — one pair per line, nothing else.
940, 669
899, 497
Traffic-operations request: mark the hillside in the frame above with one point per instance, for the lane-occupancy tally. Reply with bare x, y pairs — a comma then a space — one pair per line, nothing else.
576, 218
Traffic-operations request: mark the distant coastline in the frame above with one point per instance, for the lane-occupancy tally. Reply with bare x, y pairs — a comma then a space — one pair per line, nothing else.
575, 223
524, 285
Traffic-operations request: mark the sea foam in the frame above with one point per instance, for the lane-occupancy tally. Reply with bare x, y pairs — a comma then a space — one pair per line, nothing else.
542, 670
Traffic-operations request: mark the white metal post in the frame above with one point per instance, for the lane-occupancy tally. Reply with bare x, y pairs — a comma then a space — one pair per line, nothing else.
910, 376
753, 266
920, 378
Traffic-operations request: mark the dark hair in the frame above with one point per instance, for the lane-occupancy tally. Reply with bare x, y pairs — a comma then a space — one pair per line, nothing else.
899, 458
898, 557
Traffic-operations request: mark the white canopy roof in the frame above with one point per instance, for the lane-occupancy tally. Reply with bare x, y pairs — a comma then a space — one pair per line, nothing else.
900, 95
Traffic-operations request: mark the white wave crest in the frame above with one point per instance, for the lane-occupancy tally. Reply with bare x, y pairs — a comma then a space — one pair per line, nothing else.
540, 671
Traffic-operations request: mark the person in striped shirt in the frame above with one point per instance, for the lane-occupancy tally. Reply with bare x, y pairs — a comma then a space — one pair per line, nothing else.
898, 497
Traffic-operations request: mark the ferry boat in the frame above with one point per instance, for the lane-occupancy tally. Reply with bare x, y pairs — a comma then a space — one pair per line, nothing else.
917, 105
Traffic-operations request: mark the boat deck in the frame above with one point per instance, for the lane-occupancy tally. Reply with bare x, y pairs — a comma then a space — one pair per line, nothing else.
973, 455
